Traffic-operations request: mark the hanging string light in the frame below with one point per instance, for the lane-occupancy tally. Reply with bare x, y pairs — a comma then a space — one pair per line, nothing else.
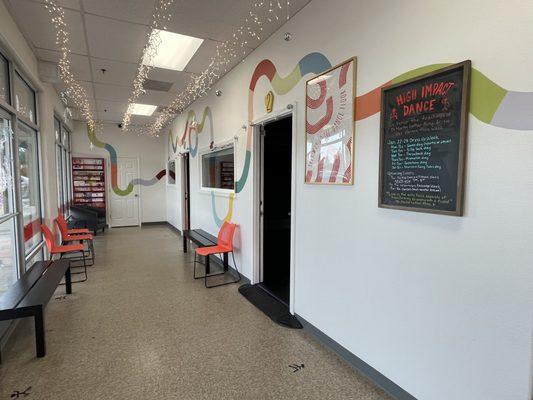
74, 90
160, 17
261, 14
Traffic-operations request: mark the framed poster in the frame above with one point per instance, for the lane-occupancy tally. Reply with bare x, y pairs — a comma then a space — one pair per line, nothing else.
422, 143
330, 125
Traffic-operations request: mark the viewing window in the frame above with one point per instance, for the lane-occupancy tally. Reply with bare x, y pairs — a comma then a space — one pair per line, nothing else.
24, 98
218, 170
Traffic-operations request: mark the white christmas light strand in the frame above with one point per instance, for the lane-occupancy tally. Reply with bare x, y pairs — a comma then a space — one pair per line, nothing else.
262, 13
73, 90
160, 17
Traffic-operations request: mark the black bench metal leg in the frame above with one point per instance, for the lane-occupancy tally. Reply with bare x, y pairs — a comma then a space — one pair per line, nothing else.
68, 281
184, 244
207, 266
39, 333
226, 265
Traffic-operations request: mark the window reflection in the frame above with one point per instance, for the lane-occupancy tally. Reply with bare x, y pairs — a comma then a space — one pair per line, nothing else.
29, 186
24, 98
218, 169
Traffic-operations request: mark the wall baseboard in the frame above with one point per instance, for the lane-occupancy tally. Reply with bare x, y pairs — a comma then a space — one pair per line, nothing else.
153, 223
173, 228
356, 363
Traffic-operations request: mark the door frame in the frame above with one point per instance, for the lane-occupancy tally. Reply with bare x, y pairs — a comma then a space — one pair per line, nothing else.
111, 193
289, 110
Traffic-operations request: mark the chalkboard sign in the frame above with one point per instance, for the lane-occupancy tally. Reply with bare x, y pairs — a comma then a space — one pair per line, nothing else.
423, 138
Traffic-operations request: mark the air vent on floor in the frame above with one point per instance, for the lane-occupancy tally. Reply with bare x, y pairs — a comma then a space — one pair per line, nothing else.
160, 86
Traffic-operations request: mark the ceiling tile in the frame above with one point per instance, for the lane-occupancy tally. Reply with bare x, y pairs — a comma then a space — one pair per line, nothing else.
111, 106
112, 92
109, 116
156, 98
202, 58
115, 40
138, 11
117, 72
179, 79
79, 64
75, 4
34, 21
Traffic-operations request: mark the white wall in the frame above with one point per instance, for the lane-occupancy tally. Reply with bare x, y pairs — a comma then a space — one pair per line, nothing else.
148, 150
440, 305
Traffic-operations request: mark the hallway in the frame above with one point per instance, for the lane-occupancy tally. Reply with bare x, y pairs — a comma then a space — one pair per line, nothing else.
140, 328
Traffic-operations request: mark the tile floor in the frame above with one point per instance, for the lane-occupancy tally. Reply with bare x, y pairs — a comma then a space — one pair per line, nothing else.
141, 328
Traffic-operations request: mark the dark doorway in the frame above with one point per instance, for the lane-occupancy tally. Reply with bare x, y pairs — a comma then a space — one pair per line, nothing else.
186, 198
276, 175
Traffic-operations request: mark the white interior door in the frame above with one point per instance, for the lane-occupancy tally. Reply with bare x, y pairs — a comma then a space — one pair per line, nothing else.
125, 209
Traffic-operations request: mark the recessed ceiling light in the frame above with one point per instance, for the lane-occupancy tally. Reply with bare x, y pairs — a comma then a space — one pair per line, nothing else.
175, 50
141, 109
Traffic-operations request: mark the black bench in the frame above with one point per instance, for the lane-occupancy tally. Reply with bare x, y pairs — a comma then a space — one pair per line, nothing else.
30, 294
203, 239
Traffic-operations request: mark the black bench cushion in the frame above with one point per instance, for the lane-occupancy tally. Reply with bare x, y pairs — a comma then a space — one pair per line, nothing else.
200, 237
45, 287
20, 288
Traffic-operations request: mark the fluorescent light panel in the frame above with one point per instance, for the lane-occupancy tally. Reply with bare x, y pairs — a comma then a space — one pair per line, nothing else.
175, 50
141, 109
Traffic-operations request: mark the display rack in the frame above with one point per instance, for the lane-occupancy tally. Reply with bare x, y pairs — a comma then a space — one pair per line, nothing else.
88, 177
227, 175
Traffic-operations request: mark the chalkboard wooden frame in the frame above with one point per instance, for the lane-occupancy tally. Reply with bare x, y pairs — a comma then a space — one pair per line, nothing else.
466, 66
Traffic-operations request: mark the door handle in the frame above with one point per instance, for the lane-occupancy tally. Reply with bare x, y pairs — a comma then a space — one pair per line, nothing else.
136, 195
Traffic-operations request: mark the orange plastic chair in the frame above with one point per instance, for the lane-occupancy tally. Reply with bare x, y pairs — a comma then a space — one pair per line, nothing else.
63, 222
224, 246
54, 248
67, 237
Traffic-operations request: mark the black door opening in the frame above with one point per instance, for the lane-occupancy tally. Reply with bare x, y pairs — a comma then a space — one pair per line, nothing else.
276, 174
185, 197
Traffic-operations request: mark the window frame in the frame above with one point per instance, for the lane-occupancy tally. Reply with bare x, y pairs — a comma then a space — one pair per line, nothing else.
63, 154
23, 259
221, 146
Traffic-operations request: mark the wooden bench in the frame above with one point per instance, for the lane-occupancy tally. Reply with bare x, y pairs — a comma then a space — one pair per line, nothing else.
30, 294
203, 239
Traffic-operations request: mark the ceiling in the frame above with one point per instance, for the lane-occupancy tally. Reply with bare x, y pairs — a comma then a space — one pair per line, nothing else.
110, 35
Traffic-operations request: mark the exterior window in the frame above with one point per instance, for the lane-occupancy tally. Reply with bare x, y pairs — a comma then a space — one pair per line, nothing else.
63, 167
6, 171
8, 254
29, 186
8, 220
218, 169
4, 79
24, 98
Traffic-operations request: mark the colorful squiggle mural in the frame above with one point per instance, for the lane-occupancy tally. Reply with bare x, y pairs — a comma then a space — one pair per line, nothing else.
113, 160
489, 102
189, 127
